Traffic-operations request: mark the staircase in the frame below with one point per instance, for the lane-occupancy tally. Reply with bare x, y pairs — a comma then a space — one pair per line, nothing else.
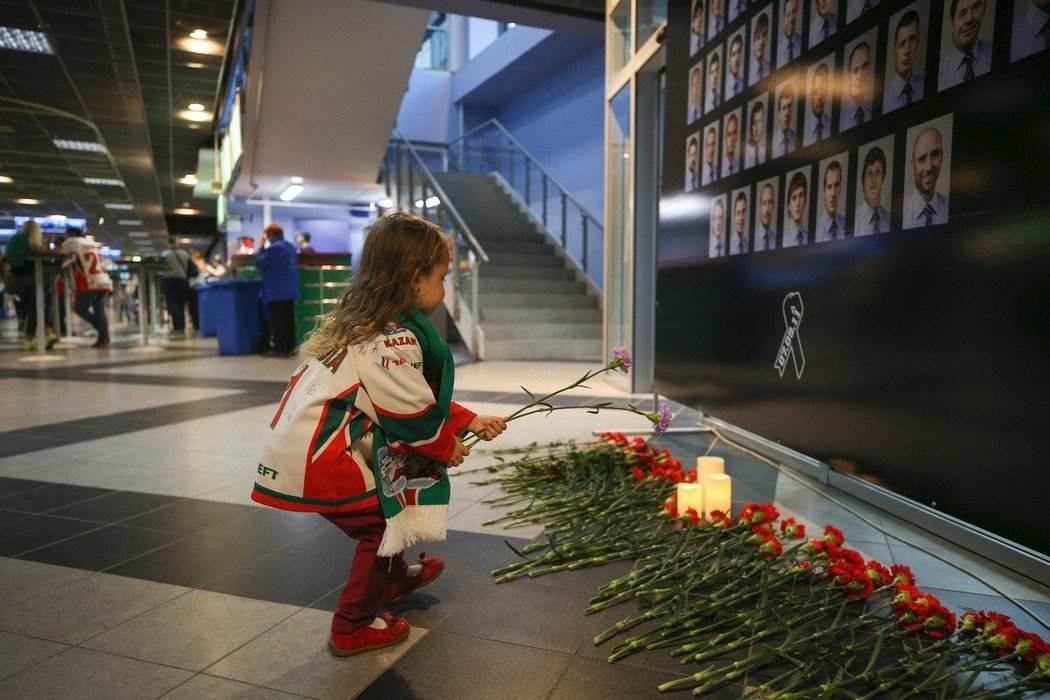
535, 304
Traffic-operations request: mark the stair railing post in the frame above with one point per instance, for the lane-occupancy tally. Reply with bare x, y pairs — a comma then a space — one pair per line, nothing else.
475, 316
564, 222
584, 242
528, 184
545, 200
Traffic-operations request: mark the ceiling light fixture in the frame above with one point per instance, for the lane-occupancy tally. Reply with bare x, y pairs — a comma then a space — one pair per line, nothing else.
118, 205
430, 203
195, 116
291, 192
195, 65
27, 200
185, 211
57, 217
188, 179
129, 222
104, 181
196, 107
72, 145
24, 40
139, 234
198, 34
5, 179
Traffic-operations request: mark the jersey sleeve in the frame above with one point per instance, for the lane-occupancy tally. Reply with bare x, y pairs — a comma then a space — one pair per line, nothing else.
459, 418
391, 372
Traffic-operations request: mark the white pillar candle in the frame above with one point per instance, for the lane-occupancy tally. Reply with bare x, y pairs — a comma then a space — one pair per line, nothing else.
690, 496
718, 493
705, 466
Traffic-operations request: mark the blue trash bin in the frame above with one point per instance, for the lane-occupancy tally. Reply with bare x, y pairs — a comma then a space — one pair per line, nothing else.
236, 308
205, 311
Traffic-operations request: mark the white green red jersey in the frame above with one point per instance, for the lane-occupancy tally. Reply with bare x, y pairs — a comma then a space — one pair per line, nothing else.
318, 457
90, 262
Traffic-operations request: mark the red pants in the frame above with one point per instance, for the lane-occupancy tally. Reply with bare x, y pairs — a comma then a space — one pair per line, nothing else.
369, 574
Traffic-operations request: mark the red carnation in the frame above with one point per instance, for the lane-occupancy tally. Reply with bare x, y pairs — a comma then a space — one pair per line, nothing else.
878, 573
902, 574
833, 534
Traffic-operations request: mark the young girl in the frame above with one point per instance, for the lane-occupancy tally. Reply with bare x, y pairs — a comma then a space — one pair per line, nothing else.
367, 426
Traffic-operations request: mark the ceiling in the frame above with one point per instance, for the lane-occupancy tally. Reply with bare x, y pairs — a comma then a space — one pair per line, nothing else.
122, 74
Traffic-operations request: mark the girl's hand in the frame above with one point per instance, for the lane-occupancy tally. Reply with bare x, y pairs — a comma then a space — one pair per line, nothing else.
487, 427
458, 454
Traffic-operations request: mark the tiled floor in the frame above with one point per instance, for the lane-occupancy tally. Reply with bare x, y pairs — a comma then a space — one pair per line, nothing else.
133, 564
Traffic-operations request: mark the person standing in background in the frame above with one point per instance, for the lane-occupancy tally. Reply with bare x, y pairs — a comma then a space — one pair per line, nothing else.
303, 240
277, 261
91, 299
29, 240
174, 286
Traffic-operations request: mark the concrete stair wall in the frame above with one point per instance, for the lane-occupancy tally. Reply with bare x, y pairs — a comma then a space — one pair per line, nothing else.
535, 305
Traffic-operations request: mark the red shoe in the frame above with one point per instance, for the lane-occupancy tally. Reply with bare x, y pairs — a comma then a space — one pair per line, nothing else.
432, 568
369, 638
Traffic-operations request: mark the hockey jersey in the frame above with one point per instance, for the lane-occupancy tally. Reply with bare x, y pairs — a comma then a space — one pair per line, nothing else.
89, 262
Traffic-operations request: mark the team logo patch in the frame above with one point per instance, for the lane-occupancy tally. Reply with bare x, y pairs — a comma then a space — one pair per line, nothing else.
399, 471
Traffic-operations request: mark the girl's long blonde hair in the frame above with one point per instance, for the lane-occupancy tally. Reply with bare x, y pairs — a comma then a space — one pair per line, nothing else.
398, 246
32, 230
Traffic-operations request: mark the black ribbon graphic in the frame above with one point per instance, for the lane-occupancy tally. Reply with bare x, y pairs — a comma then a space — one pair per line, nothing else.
791, 345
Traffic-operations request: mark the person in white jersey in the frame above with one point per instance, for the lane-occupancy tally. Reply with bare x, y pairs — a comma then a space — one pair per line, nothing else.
91, 299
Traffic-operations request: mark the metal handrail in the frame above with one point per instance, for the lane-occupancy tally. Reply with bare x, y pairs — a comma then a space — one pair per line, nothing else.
461, 225
494, 123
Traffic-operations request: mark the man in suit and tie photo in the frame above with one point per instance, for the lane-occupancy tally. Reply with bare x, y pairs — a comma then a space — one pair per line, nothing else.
731, 157
856, 108
735, 72
760, 48
872, 216
924, 204
716, 20
906, 84
741, 241
831, 224
789, 45
714, 81
717, 246
765, 227
755, 148
709, 170
692, 163
696, 27
967, 55
795, 231
1031, 28
818, 116
824, 21
784, 137
695, 84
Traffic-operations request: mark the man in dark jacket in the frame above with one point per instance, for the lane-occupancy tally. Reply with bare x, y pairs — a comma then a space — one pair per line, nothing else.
279, 264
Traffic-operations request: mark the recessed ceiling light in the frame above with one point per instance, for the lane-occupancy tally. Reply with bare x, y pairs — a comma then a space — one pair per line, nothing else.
296, 180
104, 181
195, 65
27, 200
57, 217
5, 179
71, 145
138, 234
188, 179
198, 34
196, 107
195, 116
129, 222
185, 211
291, 192
118, 205
24, 40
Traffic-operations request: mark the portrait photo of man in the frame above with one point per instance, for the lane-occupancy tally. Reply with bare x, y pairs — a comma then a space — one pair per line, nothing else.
735, 66
1031, 28
905, 82
736, 8
759, 47
696, 82
926, 196
709, 168
789, 43
716, 18
714, 80
824, 21
717, 240
740, 240
755, 145
765, 215
796, 209
731, 144
860, 85
831, 219
696, 27
966, 41
874, 188
818, 106
859, 8
784, 136
692, 162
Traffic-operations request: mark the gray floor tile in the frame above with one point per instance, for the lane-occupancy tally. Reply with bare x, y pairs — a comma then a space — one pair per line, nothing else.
593, 678
21, 580
292, 657
192, 631
544, 617
87, 674
18, 652
84, 608
470, 669
205, 687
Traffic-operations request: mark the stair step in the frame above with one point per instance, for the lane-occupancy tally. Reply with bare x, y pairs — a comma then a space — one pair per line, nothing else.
523, 246
586, 350
539, 331
538, 299
490, 315
552, 272
521, 259
526, 284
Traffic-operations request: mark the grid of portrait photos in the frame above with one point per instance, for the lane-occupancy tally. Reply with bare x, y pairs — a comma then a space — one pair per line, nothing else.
810, 84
